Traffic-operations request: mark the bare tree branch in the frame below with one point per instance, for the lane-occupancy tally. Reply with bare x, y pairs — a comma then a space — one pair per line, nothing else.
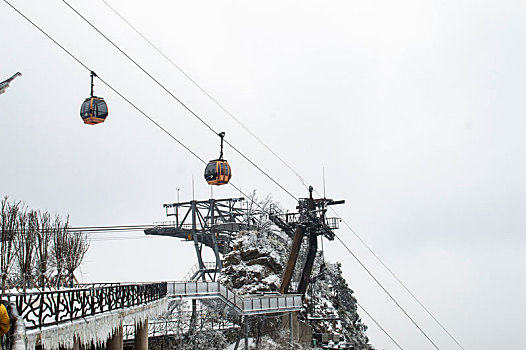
8, 215
76, 246
43, 245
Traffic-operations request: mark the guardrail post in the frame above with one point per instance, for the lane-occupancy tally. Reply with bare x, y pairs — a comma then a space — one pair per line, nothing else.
57, 311
41, 308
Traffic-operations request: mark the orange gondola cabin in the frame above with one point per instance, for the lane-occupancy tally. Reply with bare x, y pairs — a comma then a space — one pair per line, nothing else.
218, 172
94, 109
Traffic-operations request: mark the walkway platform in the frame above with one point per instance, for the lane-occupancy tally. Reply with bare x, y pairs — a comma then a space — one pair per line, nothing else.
248, 305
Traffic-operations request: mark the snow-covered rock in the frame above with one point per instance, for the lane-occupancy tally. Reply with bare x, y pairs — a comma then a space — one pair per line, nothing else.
256, 265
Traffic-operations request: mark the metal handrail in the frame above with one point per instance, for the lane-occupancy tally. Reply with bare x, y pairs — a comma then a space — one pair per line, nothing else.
40, 309
273, 303
209, 265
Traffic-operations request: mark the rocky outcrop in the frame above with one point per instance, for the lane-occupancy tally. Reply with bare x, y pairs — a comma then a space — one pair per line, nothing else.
255, 266
330, 300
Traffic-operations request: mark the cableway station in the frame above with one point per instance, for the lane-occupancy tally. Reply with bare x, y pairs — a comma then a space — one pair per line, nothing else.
215, 223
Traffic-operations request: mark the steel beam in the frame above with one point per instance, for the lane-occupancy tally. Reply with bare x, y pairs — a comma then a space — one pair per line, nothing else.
293, 257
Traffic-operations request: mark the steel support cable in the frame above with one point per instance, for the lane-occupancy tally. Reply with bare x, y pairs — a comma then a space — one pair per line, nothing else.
133, 105
392, 274
223, 108
399, 281
129, 101
368, 314
109, 228
382, 328
177, 99
386, 292
302, 180
104, 82
184, 146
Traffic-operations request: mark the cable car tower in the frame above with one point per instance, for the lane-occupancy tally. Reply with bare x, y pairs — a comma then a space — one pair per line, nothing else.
212, 223
309, 222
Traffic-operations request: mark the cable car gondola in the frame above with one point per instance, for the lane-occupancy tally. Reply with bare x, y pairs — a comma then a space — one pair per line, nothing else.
218, 172
93, 110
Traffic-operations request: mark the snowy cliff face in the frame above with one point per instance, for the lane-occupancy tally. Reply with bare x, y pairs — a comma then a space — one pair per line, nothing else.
330, 299
256, 265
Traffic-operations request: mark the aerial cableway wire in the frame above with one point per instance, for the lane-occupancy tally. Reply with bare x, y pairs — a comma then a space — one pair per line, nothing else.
213, 99
179, 100
302, 180
215, 132
387, 292
167, 132
392, 274
382, 328
127, 100
96, 229
399, 281
239, 122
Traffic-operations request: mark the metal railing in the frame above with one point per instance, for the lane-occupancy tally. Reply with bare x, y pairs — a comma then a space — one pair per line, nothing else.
164, 223
209, 265
273, 303
333, 223
40, 309
181, 325
47, 308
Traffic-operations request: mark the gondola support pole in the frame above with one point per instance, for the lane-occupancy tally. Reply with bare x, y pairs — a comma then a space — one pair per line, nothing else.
221, 135
93, 74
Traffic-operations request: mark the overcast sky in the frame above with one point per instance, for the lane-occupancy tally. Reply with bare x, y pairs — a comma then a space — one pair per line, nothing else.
414, 108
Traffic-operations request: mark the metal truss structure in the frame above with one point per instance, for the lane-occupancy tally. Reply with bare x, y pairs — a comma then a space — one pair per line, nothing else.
309, 222
210, 223
182, 323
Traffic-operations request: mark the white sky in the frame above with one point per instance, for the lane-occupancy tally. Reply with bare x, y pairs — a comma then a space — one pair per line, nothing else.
414, 108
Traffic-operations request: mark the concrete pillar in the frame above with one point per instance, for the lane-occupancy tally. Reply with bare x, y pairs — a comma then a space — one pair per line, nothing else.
246, 332
141, 336
290, 323
115, 342
291, 330
76, 343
